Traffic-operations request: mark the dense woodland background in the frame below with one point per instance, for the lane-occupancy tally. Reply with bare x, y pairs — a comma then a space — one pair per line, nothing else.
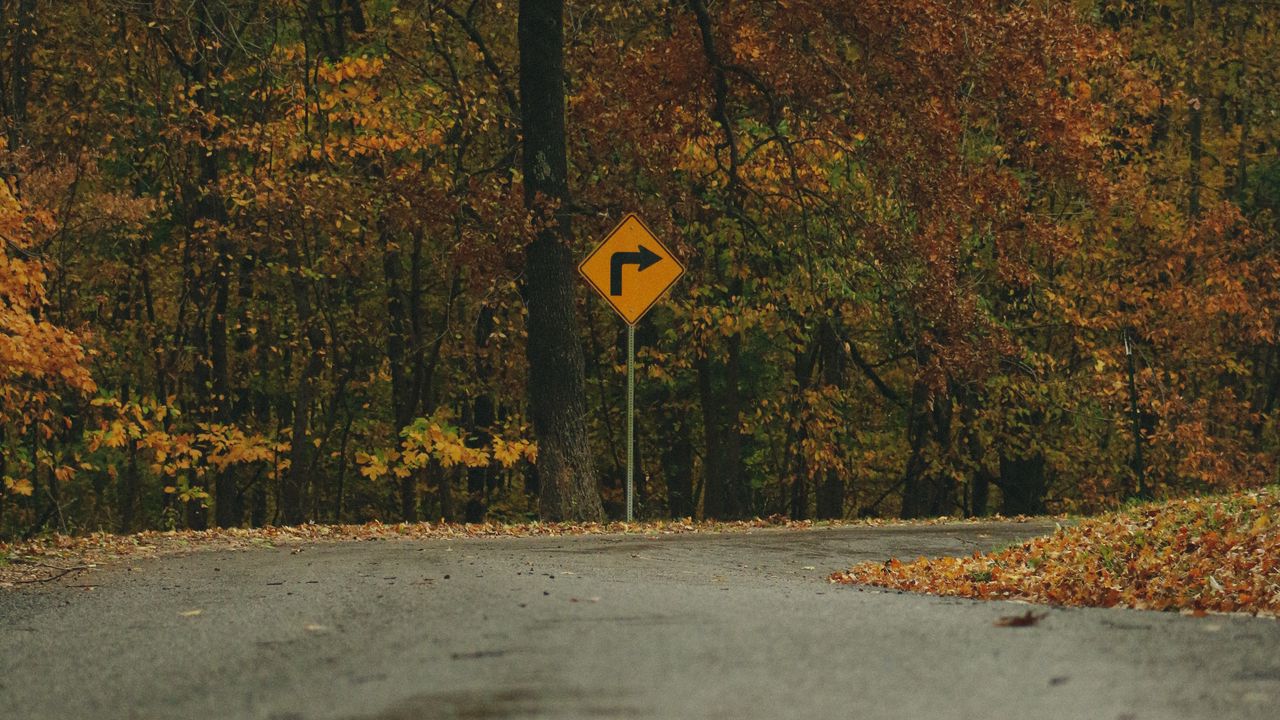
265, 260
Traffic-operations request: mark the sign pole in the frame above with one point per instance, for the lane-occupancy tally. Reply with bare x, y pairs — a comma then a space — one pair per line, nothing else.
631, 269
631, 421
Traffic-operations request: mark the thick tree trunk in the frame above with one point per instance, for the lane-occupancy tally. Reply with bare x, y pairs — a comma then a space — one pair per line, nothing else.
803, 362
830, 505
224, 482
293, 488
22, 34
478, 478
727, 493
925, 494
557, 388
442, 479
23, 43
980, 493
197, 513
1022, 485
482, 418
677, 467
738, 485
403, 399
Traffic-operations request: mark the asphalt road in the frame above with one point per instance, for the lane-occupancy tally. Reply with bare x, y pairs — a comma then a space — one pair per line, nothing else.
707, 626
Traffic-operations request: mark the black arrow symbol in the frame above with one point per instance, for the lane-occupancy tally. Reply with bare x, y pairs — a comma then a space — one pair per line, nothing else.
644, 257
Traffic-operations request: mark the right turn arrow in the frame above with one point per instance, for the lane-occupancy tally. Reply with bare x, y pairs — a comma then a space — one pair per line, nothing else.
644, 257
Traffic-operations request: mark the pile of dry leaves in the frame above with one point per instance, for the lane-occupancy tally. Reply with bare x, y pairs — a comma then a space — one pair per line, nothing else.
1213, 554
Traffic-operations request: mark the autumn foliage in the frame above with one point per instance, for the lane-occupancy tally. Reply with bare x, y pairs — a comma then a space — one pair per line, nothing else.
1219, 554
40, 362
264, 259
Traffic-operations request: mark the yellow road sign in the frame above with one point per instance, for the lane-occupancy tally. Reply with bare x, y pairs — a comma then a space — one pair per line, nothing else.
631, 269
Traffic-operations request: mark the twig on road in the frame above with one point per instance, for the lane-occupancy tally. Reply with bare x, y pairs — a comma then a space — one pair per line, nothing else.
62, 571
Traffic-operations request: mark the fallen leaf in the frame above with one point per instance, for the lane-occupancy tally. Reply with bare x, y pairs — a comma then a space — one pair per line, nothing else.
1026, 619
1122, 559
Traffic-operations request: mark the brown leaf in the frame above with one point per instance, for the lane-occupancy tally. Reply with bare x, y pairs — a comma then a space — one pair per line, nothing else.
1027, 619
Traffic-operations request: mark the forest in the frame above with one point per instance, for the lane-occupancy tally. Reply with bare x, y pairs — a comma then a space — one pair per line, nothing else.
275, 261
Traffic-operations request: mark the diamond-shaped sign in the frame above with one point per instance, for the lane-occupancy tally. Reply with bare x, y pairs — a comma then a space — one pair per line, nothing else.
631, 269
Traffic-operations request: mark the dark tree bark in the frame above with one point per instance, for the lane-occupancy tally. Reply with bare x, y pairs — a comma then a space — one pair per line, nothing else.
127, 491
18, 23
677, 466
980, 483
442, 479
1240, 173
1195, 120
330, 24
980, 493
1022, 485
557, 388
803, 362
481, 420
225, 493
727, 489
403, 398
1022, 480
727, 492
914, 500
830, 505
293, 488
925, 494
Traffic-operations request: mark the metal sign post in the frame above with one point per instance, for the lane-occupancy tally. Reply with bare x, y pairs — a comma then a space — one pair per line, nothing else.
631, 269
631, 422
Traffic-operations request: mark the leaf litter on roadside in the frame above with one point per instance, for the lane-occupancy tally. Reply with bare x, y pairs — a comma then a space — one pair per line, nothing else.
27, 561
1201, 555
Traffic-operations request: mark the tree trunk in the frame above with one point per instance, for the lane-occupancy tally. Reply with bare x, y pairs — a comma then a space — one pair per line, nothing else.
727, 496
557, 388
127, 490
798, 502
482, 418
443, 481
22, 33
478, 478
925, 494
830, 505
677, 466
980, 494
403, 399
224, 481
293, 488
1022, 484
803, 362
1240, 173
1195, 121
